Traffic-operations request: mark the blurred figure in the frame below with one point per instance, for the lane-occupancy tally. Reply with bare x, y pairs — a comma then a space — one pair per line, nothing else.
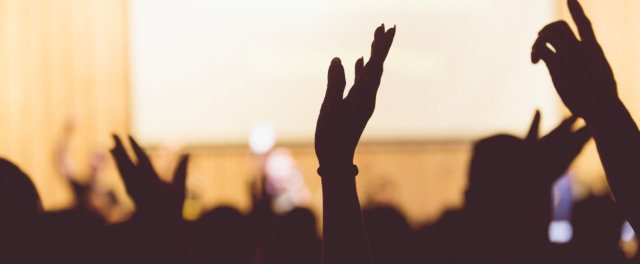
389, 235
297, 239
222, 236
508, 201
509, 195
596, 232
284, 181
22, 232
92, 197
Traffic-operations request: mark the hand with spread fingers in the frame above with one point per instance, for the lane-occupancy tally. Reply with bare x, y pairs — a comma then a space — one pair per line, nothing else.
579, 70
342, 120
152, 196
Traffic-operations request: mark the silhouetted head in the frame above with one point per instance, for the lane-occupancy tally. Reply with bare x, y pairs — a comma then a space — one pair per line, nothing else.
222, 236
496, 170
20, 206
297, 236
19, 199
389, 234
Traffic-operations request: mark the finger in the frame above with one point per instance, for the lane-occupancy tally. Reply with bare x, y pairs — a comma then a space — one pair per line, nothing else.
535, 127
582, 21
143, 159
359, 67
336, 82
576, 142
381, 44
581, 136
389, 36
123, 162
540, 51
559, 35
377, 46
180, 174
563, 130
567, 123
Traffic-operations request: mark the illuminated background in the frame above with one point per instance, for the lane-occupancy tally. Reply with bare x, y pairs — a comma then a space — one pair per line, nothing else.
205, 71
197, 76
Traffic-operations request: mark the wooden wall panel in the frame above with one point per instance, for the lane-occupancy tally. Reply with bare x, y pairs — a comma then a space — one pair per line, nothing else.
422, 179
61, 58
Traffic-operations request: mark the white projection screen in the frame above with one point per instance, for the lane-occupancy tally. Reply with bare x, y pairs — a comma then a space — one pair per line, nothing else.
205, 71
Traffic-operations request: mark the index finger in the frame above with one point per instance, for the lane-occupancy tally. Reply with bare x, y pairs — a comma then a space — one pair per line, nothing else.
582, 21
382, 43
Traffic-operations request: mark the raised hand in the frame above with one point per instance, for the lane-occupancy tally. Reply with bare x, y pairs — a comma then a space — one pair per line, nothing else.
554, 152
585, 83
342, 120
338, 131
152, 196
579, 70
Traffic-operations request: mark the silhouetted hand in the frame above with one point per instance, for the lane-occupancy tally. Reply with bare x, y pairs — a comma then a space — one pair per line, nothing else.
338, 131
579, 70
584, 80
152, 196
342, 120
554, 152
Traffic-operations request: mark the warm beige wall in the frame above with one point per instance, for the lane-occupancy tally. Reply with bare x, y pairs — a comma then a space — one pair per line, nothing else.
60, 58
424, 178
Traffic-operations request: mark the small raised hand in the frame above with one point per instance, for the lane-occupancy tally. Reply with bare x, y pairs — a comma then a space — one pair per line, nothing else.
579, 70
152, 196
554, 152
342, 120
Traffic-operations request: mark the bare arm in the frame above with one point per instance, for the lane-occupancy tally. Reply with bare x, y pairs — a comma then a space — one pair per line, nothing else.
584, 80
340, 125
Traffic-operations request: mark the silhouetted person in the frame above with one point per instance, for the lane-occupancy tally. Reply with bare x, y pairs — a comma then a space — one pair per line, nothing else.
389, 235
596, 232
297, 239
584, 80
340, 125
445, 241
222, 236
156, 233
21, 232
508, 201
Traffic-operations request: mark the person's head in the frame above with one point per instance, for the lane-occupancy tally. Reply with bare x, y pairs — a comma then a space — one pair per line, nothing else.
222, 236
496, 169
389, 234
19, 199
297, 237
19, 210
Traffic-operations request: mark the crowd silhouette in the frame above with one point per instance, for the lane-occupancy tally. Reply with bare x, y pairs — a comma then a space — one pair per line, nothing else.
505, 218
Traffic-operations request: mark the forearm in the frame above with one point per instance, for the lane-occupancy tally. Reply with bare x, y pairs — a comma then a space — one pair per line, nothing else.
344, 236
618, 141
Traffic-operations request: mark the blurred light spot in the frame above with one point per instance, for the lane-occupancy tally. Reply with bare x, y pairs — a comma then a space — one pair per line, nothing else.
627, 232
262, 137
560, 232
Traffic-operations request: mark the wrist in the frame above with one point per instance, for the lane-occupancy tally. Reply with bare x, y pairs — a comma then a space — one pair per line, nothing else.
341, 170
605, 113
